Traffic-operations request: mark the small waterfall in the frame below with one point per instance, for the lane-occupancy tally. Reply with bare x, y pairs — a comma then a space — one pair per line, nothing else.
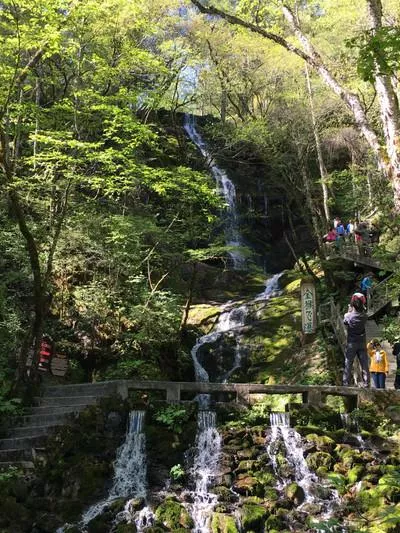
228, 320
227, 189
205, 468
271, 288
130, 468
283, 434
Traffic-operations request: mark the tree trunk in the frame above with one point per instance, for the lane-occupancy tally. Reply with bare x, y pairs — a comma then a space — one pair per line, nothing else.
309, 54
389, 108
322, 168
316, 225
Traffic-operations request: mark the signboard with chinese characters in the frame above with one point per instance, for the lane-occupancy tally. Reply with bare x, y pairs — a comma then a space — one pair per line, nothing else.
308, 307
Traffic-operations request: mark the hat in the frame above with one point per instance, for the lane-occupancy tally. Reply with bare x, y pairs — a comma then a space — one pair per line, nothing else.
358, 296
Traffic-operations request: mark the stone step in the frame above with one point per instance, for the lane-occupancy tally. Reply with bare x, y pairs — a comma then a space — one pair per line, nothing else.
59, 401
103, 388
15, 455
56, 410
31, 431
41, 419
21, 465
22, 443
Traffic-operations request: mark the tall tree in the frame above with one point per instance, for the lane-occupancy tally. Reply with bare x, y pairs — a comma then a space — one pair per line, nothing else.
388, 155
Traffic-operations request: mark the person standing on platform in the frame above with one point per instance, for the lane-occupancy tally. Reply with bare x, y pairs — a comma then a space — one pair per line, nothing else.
379, 365
355, 320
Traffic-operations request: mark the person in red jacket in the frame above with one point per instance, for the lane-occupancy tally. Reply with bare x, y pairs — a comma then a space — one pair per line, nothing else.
45, 353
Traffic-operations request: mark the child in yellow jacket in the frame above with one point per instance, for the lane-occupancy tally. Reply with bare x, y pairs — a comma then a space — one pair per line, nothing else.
379, 365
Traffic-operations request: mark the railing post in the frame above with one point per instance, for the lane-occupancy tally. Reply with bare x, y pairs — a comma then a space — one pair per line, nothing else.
243, 394
122, 390
173, 393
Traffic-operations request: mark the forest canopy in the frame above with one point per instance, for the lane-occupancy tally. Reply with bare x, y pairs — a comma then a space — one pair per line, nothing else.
108, 210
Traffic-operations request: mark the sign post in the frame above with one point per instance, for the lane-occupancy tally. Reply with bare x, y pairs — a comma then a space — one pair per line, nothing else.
308, 307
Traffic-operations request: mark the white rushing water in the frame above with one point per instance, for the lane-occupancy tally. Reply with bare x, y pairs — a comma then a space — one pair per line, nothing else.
205, 468
129, 471
283, 434
208, 440
227, 189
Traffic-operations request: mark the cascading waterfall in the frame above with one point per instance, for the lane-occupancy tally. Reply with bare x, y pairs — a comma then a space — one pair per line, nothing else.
130, 468
227, 189
205, 468
281, 432
208, 440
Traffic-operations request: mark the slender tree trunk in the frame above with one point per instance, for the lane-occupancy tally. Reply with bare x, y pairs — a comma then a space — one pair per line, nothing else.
387, 157
322, 168
389, 107
189, 299
308, 196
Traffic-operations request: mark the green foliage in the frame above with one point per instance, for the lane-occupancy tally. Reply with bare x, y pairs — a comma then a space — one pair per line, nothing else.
173, 417
379, 51
368, 417
177, 473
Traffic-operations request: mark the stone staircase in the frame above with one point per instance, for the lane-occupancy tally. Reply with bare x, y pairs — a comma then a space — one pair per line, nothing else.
27, 434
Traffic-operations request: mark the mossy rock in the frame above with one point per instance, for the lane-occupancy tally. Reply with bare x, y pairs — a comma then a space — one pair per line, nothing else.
351, 457
317, 459
247, 453
173, 515
295, 493
248, 485
271, 494
126, 528
322, 442
273, 523
266, 479
224, 494
245, 466
253, 517
355, 474
223, 523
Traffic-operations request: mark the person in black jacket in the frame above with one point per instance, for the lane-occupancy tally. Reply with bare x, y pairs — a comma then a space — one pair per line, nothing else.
355, 320
396, 353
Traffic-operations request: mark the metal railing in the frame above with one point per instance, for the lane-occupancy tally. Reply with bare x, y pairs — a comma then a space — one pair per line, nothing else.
359, 253
380, 295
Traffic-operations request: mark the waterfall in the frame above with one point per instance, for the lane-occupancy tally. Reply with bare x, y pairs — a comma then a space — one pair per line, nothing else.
283, 434
130, 468
205, 468
228, 320
227, 189
271, 288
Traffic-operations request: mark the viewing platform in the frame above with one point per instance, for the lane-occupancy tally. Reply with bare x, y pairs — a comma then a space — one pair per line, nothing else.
353, 252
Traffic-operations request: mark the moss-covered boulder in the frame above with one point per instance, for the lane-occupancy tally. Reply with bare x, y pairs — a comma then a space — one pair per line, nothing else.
253, 517
247, 485
321, 442
295, 493
223, 523
173, 515
317, 459
355, 473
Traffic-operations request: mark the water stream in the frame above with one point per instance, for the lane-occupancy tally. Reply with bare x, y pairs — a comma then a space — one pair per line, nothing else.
227, 189
315, 491
130, 470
